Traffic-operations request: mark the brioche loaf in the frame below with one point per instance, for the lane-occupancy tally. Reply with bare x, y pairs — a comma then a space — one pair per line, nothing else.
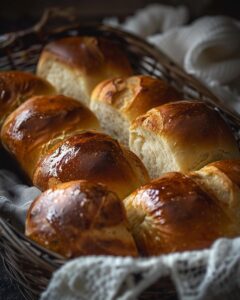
74, 65
175, 213
41, 122
16, 87
181, 136
119, 101
80, 218
91, 156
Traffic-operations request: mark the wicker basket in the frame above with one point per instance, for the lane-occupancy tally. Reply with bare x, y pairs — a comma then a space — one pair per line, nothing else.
28, 263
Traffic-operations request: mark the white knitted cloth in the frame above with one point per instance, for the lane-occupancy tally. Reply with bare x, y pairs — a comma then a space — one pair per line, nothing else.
201, 275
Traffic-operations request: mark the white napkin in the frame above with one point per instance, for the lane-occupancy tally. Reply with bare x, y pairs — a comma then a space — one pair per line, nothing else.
15, 199
153, 19
209, 48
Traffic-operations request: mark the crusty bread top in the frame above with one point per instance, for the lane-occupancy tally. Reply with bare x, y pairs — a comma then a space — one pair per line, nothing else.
231, 168
173, 213
134, 95
88, 55
92, 156
80, 218
221, 179
39, 123
188, 123
16, 87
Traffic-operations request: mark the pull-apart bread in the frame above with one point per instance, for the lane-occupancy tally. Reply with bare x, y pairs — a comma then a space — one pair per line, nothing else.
181, 136
75, 65
119, 101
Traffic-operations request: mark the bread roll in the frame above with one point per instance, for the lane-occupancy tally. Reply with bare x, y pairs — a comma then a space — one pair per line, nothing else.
119, 101
221, 179
95, 157
80, 218
181, 136
41, 122
16, 87
174, 213
74, 65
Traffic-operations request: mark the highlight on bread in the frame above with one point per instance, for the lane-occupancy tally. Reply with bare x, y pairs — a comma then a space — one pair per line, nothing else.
119, 101
80, 218
75, 65
95, 157
221, 179
16, 87
174, 213
181, 136
41, 122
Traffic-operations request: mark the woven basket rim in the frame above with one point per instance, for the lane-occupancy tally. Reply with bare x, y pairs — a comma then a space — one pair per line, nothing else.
8, 39
14, 234
42, 255
41, 28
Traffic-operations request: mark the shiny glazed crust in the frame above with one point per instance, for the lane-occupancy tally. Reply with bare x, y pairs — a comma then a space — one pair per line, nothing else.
95, 157
188, 134
188, 123
41, 122
173, 213
89, 55
75, 65
16, 87
80, 218
134, 96
231, 168
221, 180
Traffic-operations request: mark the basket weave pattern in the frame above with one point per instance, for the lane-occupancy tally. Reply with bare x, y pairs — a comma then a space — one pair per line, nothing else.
29, 264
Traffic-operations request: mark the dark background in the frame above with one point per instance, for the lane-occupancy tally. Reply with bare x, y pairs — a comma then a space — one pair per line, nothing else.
20, 14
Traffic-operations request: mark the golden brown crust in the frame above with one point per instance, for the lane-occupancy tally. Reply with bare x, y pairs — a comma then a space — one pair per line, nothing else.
41, 122
231, 168
221, 180
88, 55
134, 96
16, 87
80, 218
173, 213
92, 156
192, 133
186, 121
